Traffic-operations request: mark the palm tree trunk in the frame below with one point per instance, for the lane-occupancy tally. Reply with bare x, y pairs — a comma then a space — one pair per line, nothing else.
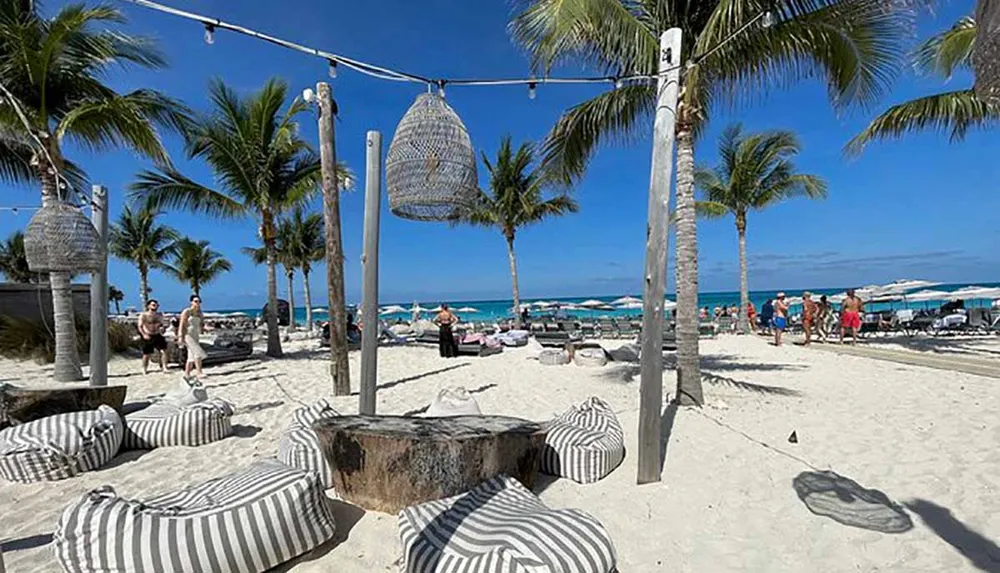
273, 337
688, 369
513, 280
144, 285
67, 364
741, 230
309, 312
291, 299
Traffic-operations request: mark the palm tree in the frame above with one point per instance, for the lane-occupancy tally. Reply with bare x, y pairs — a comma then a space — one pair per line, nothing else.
283, 255
756, 172
516, 200
53, 70
262, 167
14, 262
954, 111
116, 296
729, 55
307, 245
196, 264
139, 239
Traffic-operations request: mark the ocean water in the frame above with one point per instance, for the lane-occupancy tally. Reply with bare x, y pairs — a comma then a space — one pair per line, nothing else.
492, 310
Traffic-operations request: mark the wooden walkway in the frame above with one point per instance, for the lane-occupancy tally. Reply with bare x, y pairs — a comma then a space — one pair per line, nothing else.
981, 366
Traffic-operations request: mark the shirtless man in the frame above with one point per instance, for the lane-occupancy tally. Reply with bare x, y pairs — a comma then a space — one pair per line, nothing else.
850, 316
780, 317
151, 330
809, 310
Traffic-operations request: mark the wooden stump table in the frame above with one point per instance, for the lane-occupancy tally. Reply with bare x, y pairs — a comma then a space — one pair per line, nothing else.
386, 463
19, 405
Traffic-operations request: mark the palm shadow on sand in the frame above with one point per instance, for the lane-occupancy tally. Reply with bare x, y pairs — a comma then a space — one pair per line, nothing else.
980, 551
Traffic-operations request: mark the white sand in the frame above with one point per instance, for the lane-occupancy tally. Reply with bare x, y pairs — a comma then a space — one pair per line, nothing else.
726, 502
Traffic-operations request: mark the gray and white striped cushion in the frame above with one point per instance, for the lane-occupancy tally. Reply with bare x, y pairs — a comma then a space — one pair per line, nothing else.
299, 446
501, 527
584, 444
60, 446
165, 424
246, 522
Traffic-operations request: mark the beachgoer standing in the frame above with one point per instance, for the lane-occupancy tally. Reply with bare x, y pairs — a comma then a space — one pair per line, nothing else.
824, 313
850, 316
151, 330
190, 330
780, 318
809, 310
751, 316
445, 320
767, 315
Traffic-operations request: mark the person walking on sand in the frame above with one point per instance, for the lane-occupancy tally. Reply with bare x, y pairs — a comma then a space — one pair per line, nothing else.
190, 330
850, 316
809, 310
824, 313
151, 330
780, 317
447, 346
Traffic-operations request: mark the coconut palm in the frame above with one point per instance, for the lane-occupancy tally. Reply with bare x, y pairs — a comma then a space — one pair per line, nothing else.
197, 264
729, 54
283, 256
262, 167
954, 111
139, 239
53, 71
756, 172
116, 296
307, 245
516, 199
14, 262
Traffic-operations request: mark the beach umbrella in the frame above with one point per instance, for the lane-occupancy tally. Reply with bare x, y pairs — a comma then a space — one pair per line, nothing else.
320, 310
437, 308
627, 300
592, 303
794, 300
417, 308
630, 305
392, 309
542, 304
467, 309
903, 286
928, 295
669, 304
973, 292
836, 298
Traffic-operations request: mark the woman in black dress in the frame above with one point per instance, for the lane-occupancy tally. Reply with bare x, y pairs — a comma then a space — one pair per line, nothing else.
446, 339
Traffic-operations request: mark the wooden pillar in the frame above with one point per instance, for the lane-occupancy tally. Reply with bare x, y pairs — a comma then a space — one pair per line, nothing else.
369, 262
99, 294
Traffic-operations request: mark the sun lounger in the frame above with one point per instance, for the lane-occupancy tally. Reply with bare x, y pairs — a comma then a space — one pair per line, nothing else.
480, 350
626, 328
607, 328
556, 339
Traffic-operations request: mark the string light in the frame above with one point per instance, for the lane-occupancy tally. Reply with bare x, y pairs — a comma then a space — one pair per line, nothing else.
531, 90
441, 88
209, 34
332, 69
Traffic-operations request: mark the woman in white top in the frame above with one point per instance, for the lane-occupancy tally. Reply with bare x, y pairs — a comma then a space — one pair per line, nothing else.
190, 329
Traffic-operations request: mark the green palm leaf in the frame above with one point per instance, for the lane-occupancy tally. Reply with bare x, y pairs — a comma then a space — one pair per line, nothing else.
197, 264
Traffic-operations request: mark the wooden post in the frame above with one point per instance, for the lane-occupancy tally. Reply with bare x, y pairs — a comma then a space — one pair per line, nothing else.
369, 263
99, 294
339, 368
651, 369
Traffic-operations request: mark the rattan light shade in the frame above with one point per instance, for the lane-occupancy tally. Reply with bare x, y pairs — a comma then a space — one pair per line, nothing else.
430, 172
986, 54
60, 238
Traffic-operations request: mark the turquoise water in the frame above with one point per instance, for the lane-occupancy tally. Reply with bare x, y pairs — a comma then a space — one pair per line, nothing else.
490, 310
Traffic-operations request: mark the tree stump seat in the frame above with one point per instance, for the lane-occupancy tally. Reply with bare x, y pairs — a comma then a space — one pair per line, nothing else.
387, 463
20, 405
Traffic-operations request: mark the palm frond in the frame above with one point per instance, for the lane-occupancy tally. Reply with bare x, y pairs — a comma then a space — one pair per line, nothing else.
943, 53
711, 209
168, 188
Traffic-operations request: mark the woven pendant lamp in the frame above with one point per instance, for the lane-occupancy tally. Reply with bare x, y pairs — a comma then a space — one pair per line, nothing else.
60, 238
986, 54
430, 171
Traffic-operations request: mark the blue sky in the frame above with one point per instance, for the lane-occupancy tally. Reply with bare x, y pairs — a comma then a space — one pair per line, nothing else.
921, 207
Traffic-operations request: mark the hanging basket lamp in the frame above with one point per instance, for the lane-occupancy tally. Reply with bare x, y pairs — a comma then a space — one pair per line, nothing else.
430, 171
986, 53
61, 238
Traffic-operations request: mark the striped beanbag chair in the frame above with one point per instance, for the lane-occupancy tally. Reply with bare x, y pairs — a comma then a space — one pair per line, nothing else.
501, 527
584, 444
246, 522
167, 424
61, 446
299, 446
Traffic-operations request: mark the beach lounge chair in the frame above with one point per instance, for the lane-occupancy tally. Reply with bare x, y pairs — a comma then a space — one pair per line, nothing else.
584, 444
246, 522
299, 445
626, 328
478, 350
170, 424
979, 321
228, 346
607, 328
61, 446
556, 339
588, 329
501, 527
707, 329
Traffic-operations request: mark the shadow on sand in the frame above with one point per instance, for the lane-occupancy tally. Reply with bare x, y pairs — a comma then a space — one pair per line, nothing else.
747, 386
387, 385
346, 517
980, 551
847, 502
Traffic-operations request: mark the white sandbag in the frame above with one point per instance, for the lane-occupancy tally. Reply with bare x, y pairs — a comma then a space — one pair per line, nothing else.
453, 402
553, 357
186, 393
590, 357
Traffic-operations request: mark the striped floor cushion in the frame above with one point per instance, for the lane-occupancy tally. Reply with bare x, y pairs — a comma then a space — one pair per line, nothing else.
166, 424
584, 444
246, 522
299, 446
501, 527
60, 446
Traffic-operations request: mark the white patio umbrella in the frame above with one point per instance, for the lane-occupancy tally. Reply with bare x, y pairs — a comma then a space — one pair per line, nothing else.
320, 310
592, 303
467, 309
626, 300
392, 309
437, 308
543, 303
630, 305
903, 286
836, 298
928, 295
973, 292
417, 308
669, 304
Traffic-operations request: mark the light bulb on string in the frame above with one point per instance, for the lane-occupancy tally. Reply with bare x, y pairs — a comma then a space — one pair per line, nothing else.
441, 89
209, 34
332, 70
531, 90
768, 19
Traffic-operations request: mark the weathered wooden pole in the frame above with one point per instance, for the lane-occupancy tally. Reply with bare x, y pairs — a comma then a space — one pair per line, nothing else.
99, 294
651, 370
339, 367
369, 263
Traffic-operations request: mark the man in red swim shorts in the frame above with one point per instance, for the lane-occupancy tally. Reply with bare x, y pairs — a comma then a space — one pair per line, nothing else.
850, 316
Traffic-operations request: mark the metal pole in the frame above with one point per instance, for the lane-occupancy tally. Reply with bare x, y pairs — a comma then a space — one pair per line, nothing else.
651, 386
99, 295
369, 263
339, 368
